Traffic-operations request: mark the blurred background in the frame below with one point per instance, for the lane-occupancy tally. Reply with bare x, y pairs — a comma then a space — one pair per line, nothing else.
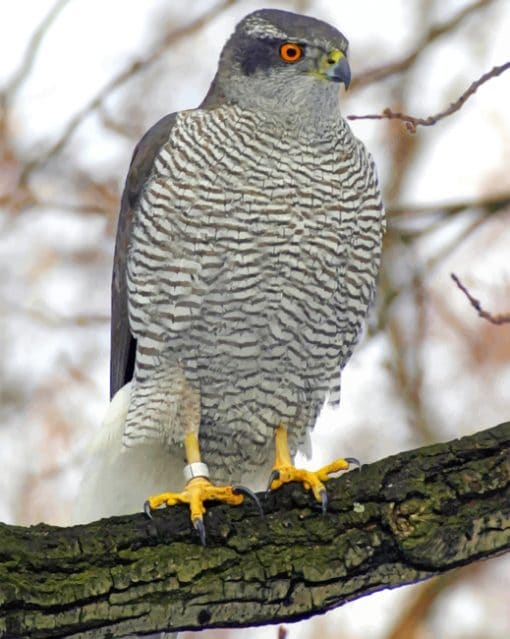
80, 82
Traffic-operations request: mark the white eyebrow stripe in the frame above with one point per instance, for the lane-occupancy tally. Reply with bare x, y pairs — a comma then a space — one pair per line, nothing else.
262, 29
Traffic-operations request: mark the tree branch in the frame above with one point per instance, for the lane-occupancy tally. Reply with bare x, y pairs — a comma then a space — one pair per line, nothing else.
433, 33
412, 122
502, 318
398, 521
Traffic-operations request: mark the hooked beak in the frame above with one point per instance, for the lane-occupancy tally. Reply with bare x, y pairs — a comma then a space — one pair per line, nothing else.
335, 67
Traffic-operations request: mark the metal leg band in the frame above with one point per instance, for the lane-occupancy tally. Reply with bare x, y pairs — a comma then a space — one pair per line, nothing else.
196, 469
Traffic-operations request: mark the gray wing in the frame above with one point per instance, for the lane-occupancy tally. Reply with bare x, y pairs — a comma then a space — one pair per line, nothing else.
123, 344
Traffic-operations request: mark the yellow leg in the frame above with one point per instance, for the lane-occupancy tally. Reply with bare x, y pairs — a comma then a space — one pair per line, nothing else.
284, 470
192, 448
198, 489
282, 457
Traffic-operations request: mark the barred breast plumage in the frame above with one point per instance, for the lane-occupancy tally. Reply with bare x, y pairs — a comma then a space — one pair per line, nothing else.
251, 266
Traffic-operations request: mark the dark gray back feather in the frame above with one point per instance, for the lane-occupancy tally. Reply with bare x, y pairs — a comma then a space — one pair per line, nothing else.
123, 344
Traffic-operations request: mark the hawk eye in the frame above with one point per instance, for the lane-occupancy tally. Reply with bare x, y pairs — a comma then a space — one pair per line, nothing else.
291, 52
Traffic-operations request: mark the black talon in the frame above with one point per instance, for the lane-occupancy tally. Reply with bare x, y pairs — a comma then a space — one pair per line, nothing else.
324, 501
200, 528
147, 509
353, 461
242, 490
275, 474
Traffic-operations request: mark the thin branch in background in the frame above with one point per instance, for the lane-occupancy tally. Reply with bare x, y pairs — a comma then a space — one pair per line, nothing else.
491, 204
282, 632
51, 318
431, 218
71, 207
503, 318
10, 166
406, 365
447, 249
434, 32
413, 122
417, 611
407, 339
118, 80
32, 50
120, 128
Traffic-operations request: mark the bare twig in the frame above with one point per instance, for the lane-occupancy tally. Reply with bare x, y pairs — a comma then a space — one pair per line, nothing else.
413, 122
503, 318
434, 32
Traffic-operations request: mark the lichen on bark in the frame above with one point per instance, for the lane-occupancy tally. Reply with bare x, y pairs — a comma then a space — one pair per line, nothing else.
397, 521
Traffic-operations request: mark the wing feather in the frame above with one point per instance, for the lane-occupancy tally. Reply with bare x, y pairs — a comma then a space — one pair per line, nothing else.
123, 344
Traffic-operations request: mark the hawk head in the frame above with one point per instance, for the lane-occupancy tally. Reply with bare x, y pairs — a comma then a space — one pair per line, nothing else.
283, 63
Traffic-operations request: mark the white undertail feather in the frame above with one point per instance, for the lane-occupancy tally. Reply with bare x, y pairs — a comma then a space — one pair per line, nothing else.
117, 480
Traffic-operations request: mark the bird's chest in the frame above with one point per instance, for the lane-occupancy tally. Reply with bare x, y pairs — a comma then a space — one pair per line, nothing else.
275, 209
246, 230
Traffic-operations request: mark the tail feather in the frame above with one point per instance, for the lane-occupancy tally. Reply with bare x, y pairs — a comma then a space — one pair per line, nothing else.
117, 480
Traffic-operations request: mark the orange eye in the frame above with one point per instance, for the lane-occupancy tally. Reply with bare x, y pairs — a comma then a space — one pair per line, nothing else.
291, 52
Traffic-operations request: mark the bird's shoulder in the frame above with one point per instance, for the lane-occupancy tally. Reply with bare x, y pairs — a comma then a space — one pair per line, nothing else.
123, 344
143, 157
153, 141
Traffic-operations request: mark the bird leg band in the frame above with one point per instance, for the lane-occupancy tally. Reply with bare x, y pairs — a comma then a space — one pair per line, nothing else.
196, 469
198, 489
195, 466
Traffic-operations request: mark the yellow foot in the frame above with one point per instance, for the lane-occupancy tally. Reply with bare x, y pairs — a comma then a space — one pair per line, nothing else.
311, 480
197, 491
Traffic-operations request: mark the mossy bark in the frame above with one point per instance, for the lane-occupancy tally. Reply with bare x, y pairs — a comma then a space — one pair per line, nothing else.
400, 520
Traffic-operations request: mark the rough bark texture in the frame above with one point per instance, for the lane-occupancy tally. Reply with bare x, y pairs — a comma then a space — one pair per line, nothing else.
397, 521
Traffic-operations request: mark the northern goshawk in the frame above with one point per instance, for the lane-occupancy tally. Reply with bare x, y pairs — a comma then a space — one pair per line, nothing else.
247, 253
